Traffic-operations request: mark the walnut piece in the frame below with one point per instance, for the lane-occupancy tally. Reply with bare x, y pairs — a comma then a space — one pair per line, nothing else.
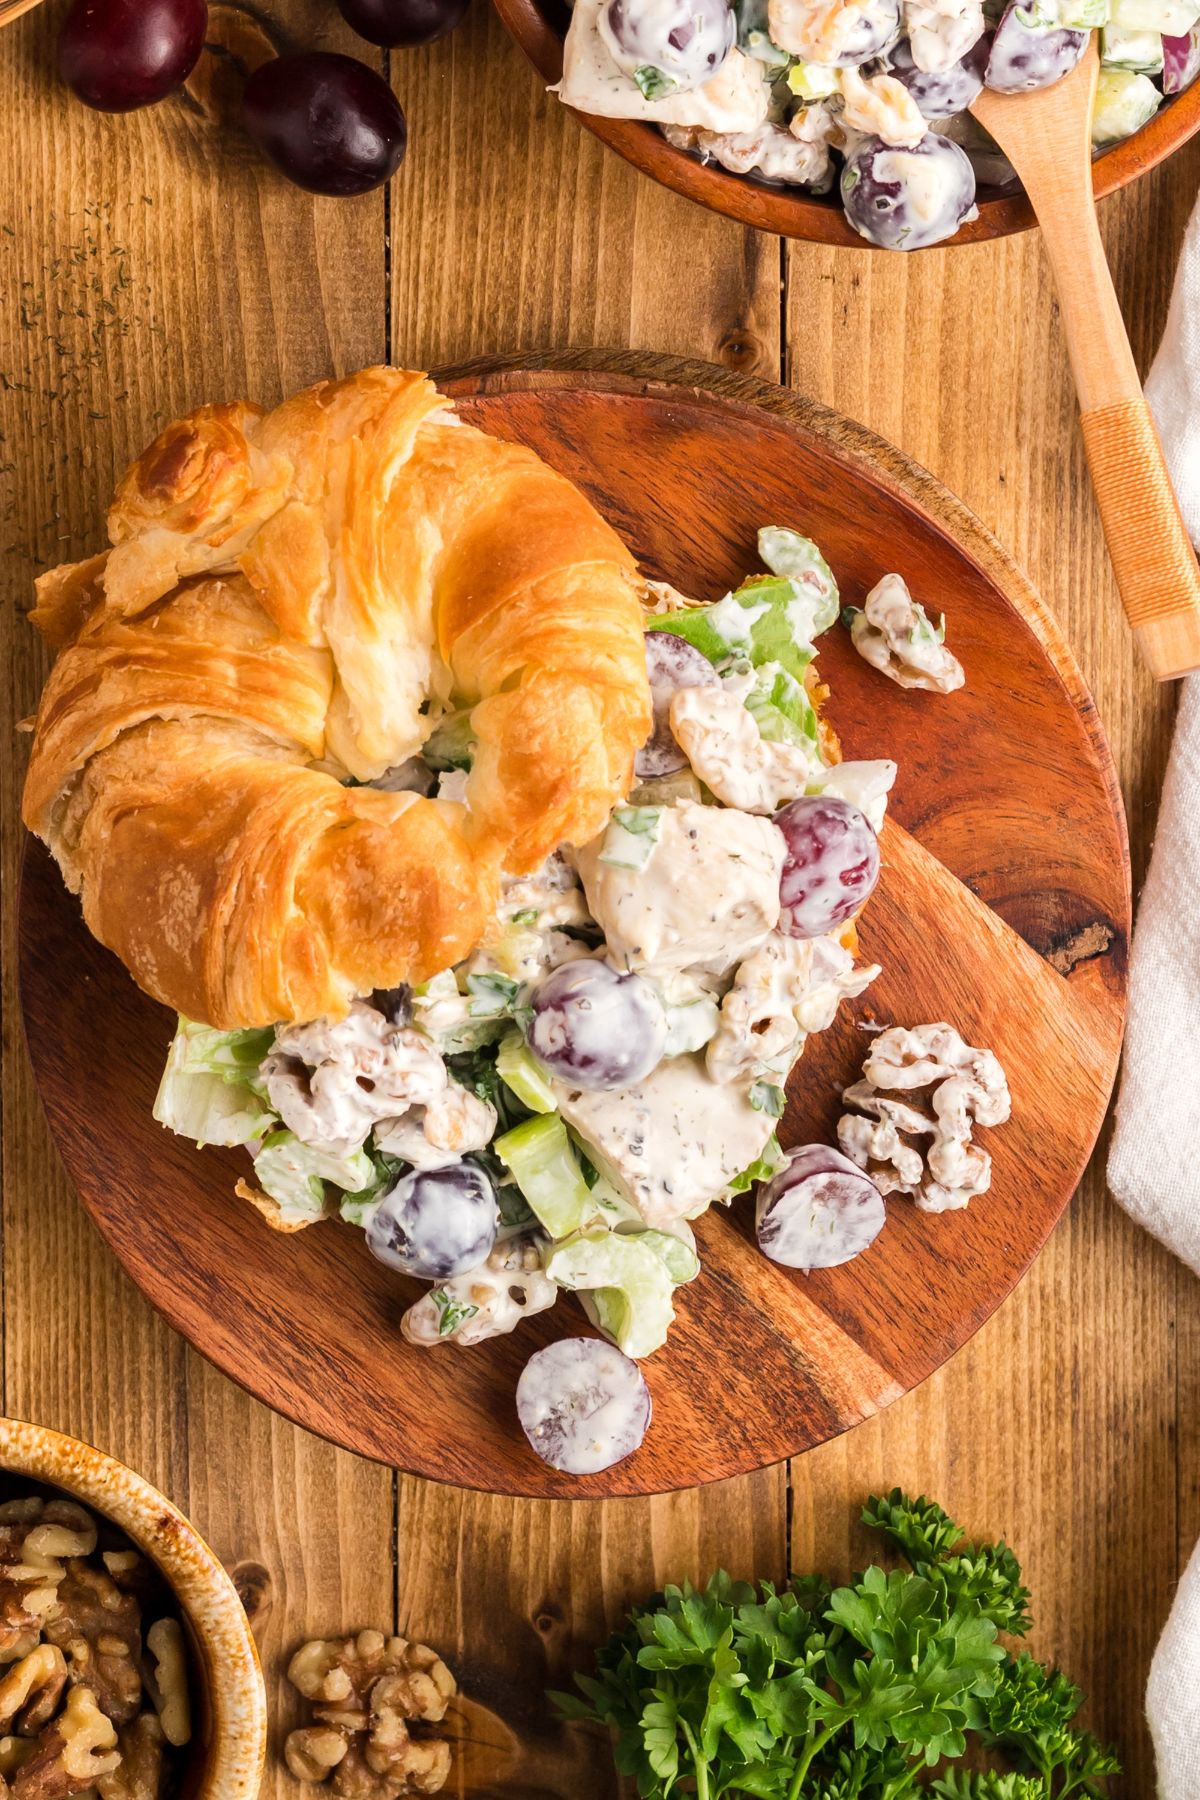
139, 1775
31, 1690
366, 1693
921, 1144
72, 1754
893, 634
169, 1688
98, 1629
35, 1536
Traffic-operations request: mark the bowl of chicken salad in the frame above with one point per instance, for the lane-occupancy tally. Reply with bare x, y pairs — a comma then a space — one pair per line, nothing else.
847, 121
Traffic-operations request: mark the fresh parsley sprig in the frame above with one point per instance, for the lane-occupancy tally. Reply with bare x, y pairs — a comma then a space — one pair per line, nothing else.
871, 1691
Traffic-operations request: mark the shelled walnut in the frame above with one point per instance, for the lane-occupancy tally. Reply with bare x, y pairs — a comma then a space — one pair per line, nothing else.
923, 1090
366, 1691
75, 1718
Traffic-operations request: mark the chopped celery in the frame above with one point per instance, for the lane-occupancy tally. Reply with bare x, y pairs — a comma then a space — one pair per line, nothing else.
631, 836
790, 554
1172, 18
808, 81
294, 1174
547, 1171
520, 1070
210, 1091
1124, 103
1141, 51
628, 1283
676, 1253
452, 745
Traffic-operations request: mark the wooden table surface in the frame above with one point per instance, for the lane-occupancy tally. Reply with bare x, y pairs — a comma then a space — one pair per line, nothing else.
149, 263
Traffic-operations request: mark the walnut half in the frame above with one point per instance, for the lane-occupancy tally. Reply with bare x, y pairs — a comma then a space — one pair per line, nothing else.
911, 1119
366, 1692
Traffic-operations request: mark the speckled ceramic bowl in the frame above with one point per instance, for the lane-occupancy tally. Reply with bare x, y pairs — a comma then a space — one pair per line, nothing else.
230, 1720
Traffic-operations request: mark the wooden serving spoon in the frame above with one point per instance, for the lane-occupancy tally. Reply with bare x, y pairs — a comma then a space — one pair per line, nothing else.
1046, 136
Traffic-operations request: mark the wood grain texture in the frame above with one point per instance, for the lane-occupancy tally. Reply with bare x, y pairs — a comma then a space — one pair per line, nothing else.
1071, 1420
539, 27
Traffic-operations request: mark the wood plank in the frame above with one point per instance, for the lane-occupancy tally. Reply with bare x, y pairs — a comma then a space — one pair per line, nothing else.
1057, 1425
159, 267
544, 239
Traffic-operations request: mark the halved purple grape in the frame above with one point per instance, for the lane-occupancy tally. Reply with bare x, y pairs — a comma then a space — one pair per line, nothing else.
435, 1222
671, 663
685, 40
327, 122
876, 30
819, 1211
596, 1026
583, 1405
908, 199
398, 24
116, 55
1181, 61
1024, 57
831, 867
948, 90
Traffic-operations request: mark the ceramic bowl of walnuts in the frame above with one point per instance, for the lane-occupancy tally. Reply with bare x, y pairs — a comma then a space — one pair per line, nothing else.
127, 1668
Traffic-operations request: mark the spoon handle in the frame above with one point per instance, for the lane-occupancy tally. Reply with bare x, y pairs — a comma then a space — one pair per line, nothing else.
1155, 564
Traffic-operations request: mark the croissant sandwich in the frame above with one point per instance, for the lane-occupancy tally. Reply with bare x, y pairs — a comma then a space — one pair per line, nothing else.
293, 601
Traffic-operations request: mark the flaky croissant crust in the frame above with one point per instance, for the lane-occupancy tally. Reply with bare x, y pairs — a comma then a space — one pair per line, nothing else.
290, 600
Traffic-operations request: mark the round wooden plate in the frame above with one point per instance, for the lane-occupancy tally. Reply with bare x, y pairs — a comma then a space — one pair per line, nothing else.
1004, 908
539, 27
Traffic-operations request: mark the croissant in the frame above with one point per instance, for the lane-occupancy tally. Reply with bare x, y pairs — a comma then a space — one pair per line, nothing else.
291, 602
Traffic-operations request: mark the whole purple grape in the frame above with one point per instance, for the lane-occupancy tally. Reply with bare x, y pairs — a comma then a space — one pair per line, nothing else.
908, 199
595, 1026
685, 40
327, 122
671, 663
1024, 57
116, 55
819, 1211
435, 1223
831, 867
948, 90
403, 24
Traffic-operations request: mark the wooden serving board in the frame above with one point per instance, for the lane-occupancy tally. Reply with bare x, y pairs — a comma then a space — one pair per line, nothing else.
1004, 908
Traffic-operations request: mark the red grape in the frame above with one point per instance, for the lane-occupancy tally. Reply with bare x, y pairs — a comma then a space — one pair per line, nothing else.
327, 122
819, 1212
120, 54
671, 663
583, 1405
402, 23
596, 1026
831, 867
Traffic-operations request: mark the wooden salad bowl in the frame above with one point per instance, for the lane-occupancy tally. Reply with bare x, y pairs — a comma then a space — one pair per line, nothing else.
1003, 908
539, 27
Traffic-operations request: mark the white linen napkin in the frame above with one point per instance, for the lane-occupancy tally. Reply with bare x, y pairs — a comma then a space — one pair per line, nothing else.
1154, 1163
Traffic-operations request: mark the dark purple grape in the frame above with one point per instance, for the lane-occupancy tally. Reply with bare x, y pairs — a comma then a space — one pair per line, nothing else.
435, 1222
327, 122
1024, 57
945, 91
583, 1405
685, 40
120, 54
1181, 61
908, 199
671, 663
820, 1211
402, 23
597, 1027
877, 29
831, 867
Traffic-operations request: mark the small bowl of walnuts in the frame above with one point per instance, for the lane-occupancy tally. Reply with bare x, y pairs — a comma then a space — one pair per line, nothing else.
127, 1667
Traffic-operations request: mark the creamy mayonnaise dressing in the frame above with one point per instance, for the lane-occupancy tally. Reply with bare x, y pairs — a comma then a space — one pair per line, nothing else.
672, 1142
735, 99
721, 740
708, 894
